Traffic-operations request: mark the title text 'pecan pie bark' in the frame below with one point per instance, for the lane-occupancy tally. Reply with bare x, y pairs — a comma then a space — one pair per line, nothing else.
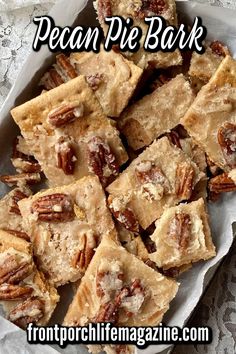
156, 113
24, 293
162, 176
112, 78
138, 10
66, 225
10, 215
119, 288
182, 236
211, 120
203, 66
69, 134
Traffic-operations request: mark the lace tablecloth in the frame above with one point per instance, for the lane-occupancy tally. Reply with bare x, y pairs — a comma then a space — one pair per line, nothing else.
217, 308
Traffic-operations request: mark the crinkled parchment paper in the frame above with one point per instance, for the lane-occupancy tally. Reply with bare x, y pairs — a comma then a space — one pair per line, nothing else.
221, 25
9, 5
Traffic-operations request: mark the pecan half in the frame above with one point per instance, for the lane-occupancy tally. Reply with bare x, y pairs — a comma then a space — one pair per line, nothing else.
184, 181
180, 229
51, 79
151, 8
104, 9
12, 273
22, 162
218, 48
101, 160
64, 63
66, 156
107, 313
66, 113
126, 218
153, 182
14, 292
94, 81
17, 196
222, 183
56, 207
21, 179
29, 311
85, 254
227, 141
19, 234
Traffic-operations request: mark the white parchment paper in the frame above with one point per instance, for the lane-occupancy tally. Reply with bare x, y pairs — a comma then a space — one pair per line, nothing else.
221, 25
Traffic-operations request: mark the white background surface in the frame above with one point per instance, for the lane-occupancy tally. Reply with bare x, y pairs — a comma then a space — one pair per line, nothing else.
217, 308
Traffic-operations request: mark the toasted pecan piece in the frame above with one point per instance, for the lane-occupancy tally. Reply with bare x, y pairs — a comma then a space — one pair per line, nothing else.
12, 272
56, 207
151, 8
101, 160
221, 184
64, 63
94, 80
14, 292
127, 218
21, 179
31, 310
104, 9
18, 195
19, 234
66, 156
227, 141
85, 254
66, 113
107, 313
180, 229
51, 79
184, 181
219, 48
174, 138
23, 162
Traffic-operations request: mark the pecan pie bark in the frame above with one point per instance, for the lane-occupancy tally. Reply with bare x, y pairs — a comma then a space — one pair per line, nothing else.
10, 216
66, 225
24, 292
120, 288
112, 78
211, 120
138, 10
182, 236
157, 113
203, 66
59, 125
162, 176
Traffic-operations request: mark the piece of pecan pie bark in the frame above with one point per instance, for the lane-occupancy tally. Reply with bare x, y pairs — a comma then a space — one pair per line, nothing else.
182, 236
162, 176
211, 120
69, 134
24, 293
138, 10
203, 66
119, 288
10, 215
112, 78
66, 225
157, 113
